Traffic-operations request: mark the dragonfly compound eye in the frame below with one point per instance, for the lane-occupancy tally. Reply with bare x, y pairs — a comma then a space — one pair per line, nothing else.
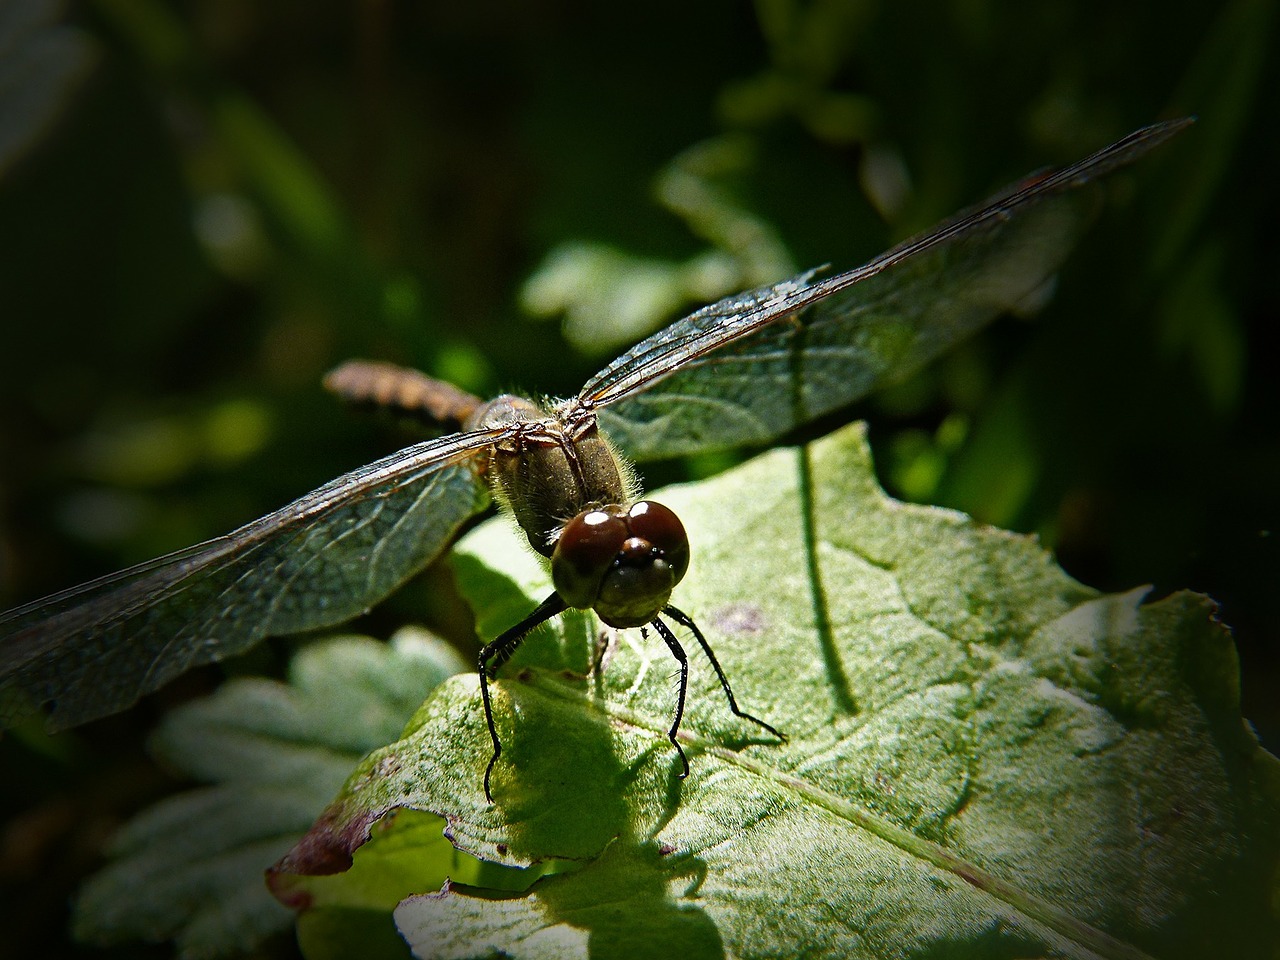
661, 528
587, 548
621, 563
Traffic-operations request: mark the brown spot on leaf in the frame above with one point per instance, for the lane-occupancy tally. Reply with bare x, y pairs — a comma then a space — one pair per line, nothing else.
325, 849
740, 618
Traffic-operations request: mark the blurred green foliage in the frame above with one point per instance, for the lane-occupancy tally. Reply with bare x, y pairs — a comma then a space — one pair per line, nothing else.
204, 205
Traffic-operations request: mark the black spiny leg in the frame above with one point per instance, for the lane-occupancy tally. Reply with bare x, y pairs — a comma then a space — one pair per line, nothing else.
677, 651
685, 620
500, 651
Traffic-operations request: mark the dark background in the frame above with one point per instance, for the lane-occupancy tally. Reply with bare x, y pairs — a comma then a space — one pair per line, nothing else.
206, 205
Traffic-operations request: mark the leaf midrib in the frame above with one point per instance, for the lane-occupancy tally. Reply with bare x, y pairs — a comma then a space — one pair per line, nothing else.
1029, 904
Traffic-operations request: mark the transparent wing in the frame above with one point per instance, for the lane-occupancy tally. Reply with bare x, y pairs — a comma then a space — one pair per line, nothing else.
97, 648
753, 366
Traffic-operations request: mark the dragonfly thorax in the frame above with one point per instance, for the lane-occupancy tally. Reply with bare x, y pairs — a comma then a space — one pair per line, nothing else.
548, 468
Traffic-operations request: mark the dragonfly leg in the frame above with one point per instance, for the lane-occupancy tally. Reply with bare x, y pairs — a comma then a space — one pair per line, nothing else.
500, 651
685, 620
677, 651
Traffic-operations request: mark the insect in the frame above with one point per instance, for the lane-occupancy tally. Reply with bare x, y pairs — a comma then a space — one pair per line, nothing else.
744, 370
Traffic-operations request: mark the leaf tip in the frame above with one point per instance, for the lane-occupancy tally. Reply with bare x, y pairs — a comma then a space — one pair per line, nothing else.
323, 850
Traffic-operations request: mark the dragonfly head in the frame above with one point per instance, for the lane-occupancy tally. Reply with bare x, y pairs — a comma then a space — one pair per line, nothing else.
622, 562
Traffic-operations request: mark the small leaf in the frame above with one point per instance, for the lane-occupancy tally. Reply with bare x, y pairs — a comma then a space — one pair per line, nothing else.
44, 62
986, 758
191, 867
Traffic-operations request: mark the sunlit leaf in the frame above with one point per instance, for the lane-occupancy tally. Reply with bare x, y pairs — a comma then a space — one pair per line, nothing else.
986, 758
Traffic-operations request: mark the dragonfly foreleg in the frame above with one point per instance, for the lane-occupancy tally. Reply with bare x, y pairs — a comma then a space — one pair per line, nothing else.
500, 651
685, 620
682, 658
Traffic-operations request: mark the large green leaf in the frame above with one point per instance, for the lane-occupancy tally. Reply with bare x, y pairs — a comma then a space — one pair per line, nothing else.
986, 758
190, 868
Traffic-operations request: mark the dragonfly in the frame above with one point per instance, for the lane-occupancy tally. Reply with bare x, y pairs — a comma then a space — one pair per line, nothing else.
741, 372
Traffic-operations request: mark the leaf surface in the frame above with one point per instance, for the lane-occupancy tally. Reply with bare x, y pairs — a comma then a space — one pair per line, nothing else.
986, 758
191, 867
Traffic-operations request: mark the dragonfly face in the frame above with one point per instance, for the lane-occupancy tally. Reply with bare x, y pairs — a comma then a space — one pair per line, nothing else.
742, 371
621, 562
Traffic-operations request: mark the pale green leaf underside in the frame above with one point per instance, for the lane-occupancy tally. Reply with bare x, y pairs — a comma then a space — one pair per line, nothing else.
986, 758
191, 868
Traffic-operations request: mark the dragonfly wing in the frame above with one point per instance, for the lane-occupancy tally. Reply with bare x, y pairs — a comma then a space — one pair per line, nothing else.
95, 649
751, 367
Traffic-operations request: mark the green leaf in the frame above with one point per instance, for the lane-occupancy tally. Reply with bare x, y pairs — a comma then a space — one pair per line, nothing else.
986, 758
44, 62
191, 867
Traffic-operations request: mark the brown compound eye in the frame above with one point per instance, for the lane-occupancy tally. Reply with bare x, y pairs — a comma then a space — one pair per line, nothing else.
661, 528
585, 552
